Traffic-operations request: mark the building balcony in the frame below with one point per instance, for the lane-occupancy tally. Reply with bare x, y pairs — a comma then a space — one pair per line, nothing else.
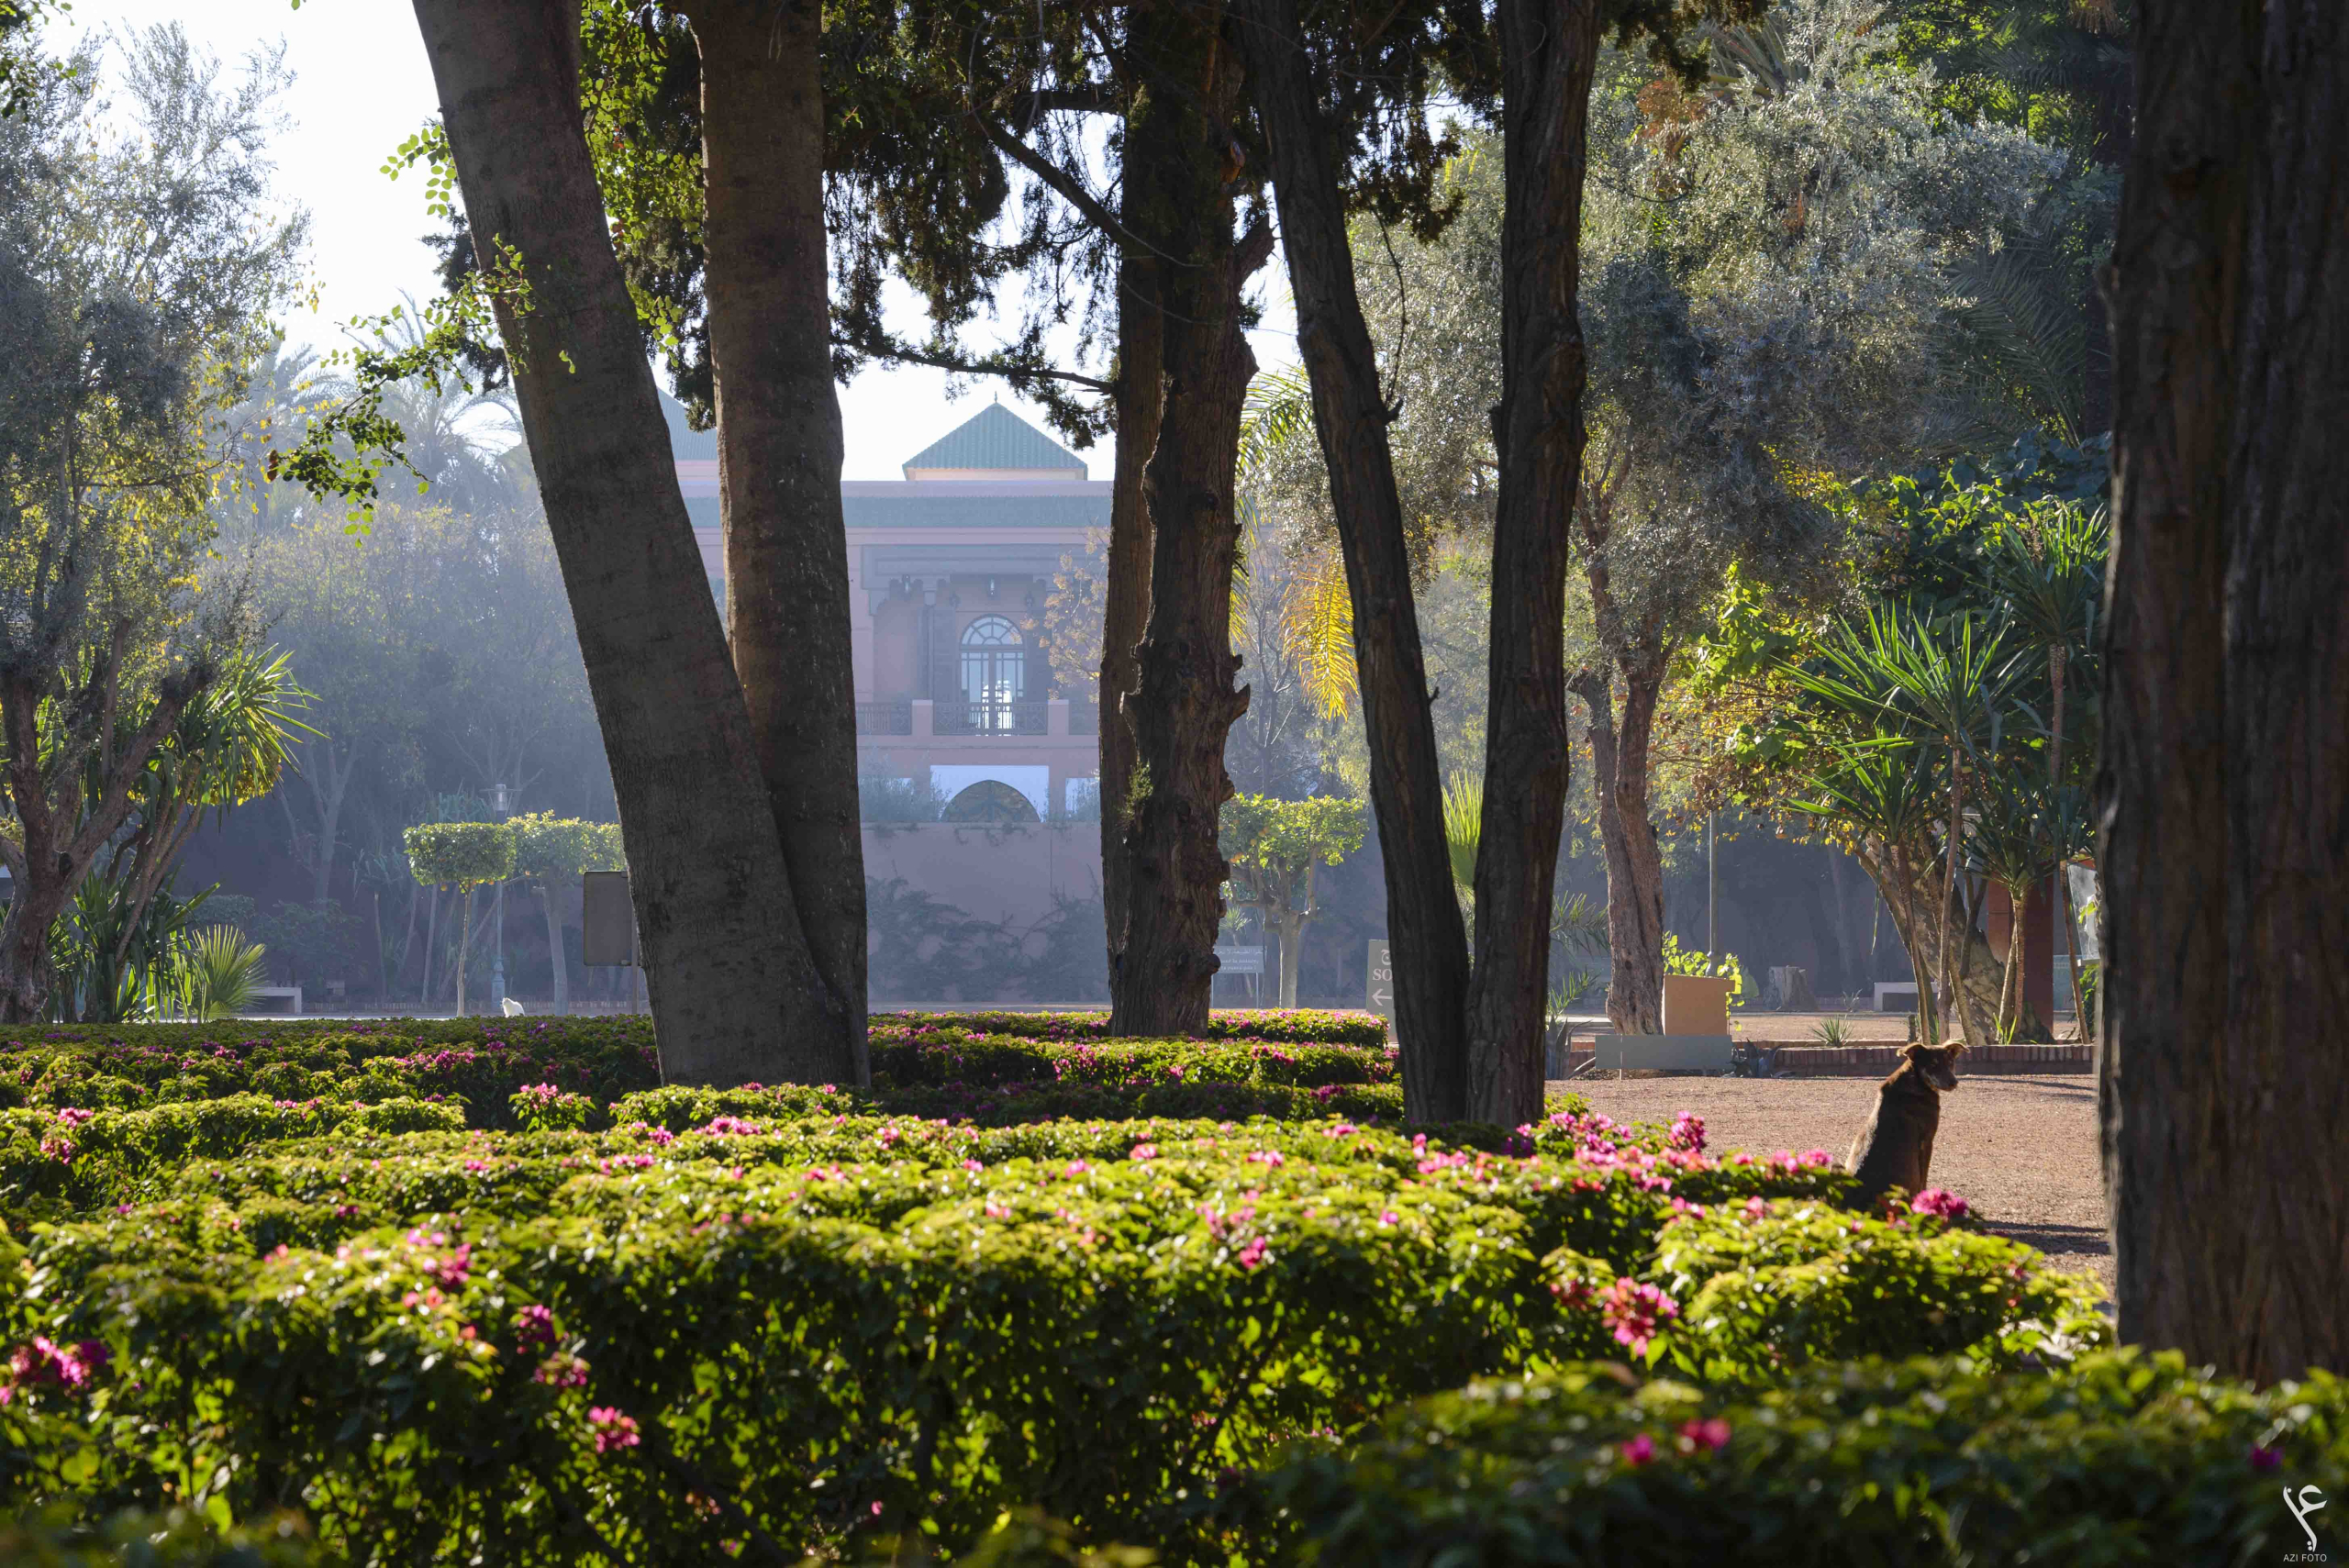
985, 718
885, 719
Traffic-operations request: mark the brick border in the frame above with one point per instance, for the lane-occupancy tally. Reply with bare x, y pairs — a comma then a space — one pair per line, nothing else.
1804, 1059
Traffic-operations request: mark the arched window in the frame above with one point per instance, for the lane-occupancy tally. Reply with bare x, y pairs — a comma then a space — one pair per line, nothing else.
994, 671
989, 801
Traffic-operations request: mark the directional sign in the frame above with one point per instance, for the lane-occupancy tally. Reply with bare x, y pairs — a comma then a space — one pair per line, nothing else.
1381, 983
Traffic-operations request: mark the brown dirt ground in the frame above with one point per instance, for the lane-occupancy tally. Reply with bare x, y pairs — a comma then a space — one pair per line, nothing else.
2022, 1150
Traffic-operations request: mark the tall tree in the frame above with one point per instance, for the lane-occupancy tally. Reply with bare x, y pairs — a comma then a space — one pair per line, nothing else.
736, 986
116, 359
2224, 792
1180, 160
1351, 415
779, 446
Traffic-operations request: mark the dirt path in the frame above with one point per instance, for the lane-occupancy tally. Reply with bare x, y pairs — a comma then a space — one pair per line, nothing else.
2023, 1151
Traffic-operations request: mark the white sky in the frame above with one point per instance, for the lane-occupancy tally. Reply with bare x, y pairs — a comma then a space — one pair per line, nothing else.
361, 85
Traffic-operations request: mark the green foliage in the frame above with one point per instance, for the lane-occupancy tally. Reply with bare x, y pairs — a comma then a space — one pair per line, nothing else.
1687, 960
54, 1537
1274, 845
219, 970
2122, 1458
1301, 1025
487, 1306
464, 854
551, 850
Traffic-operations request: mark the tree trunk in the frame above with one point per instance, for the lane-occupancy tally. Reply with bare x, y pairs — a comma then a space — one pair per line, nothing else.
328, 794
1910, 885
779, 447
1184, 702
1292, 929
1549, 49
1619, 750
1125, 610
431, 934
554, 947
713, 901
464, 944
2224, 794
1429, 945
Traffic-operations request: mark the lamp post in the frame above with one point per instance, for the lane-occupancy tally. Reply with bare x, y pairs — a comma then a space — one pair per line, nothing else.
498, 803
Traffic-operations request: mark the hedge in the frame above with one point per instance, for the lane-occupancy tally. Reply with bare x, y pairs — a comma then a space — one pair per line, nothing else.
1294, 1026
486, 1063
647, 1344
2120, 1457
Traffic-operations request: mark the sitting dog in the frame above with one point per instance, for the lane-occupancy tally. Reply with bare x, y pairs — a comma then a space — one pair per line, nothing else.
1896, 1148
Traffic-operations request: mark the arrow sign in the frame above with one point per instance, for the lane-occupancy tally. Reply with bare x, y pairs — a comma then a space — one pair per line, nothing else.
1380, 984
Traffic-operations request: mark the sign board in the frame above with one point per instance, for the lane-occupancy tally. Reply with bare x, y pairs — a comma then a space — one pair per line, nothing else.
1380, 984
1240, 960
607, 920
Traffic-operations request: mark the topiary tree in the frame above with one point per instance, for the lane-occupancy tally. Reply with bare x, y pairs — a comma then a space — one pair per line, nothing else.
464, 855
551, 851
1275, 847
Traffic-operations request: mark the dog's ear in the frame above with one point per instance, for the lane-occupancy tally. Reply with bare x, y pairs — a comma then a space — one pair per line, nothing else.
1913, 1049
1957, 1051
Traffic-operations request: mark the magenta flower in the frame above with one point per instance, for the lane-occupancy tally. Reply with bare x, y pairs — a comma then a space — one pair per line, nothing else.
2265, 1460
1639, 1450
1635, 1311
612, 1430
1687, 1132
534, 1328
1709, 1435
1935, 1200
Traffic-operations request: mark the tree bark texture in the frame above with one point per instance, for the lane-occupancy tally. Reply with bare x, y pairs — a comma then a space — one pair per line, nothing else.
1549, 49
1618, 761
2224, 790
1125, 608
1185, 701
1429, 944
779, 446
713, 906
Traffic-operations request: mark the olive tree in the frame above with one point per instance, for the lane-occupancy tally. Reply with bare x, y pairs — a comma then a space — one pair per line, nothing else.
465, 855
137, 270
552, 852
1275, 847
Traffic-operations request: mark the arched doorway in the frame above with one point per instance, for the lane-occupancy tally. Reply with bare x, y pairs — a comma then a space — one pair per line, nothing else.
990, 801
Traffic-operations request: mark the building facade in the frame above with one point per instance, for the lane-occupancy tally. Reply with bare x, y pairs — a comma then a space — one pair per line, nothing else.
949, 571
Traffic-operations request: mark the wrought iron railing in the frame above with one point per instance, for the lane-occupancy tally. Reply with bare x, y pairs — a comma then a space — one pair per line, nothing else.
989, 718
885, 719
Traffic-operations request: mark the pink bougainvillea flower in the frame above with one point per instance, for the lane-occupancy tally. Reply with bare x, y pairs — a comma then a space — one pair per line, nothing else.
1639, 1450
1635, 1311
1709, 1435
1936, 1200
612, 1430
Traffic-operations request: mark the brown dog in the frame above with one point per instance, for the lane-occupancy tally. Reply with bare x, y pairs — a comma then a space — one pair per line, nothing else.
1896, 1148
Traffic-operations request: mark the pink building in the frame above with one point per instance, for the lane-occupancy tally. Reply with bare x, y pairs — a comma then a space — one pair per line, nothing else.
947, 572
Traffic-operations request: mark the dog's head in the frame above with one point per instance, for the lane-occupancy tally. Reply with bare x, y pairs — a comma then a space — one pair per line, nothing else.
1936, 1064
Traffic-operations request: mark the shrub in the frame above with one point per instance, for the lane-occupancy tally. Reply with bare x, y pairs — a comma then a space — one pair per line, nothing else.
1292, 1026
54, 1537
2120, 1457
57, 1162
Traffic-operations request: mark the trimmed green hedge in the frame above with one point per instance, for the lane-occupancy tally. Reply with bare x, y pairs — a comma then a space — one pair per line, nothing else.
486, 1064
1294, 1026
532, 1346
2119, 1459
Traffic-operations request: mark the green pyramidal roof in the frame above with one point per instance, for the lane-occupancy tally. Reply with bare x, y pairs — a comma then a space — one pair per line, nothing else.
998, 439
